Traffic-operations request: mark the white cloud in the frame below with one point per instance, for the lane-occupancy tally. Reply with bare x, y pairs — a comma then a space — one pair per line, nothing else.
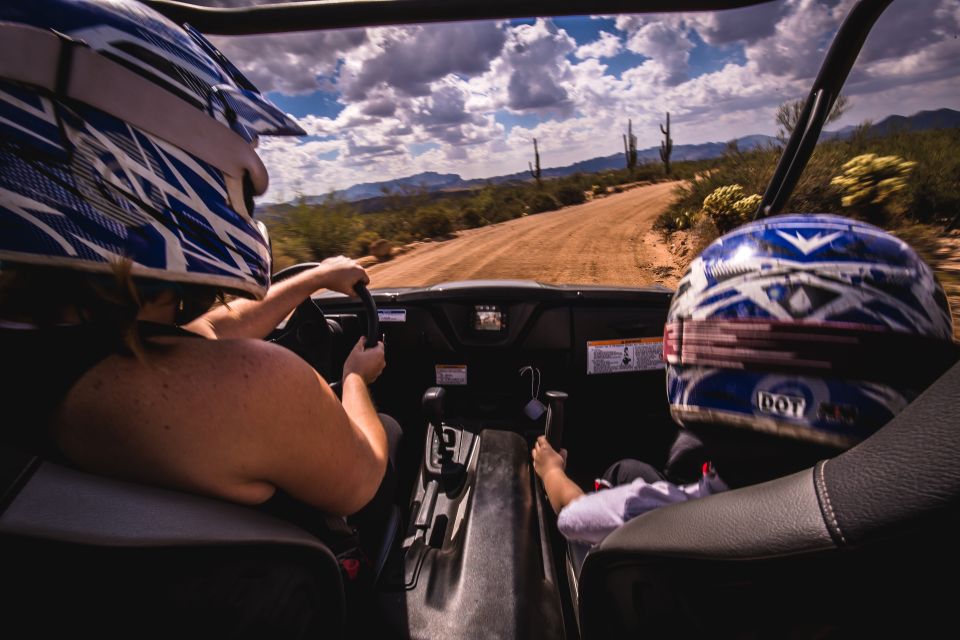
535, 66
607, 46
745, 25
295, 63
409, 59
444, 87
665, 41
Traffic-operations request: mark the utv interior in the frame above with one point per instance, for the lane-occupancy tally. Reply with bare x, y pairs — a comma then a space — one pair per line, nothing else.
858, 543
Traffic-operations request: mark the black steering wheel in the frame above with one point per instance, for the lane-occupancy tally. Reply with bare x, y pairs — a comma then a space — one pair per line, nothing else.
310, 335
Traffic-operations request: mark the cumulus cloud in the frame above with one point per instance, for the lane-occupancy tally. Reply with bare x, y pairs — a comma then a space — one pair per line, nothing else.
408, 59
444, 90
535, 61
607, 46
665, 41
291, 63
799, 40
745, 25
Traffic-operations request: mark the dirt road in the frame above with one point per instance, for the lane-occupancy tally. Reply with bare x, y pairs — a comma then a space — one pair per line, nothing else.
604, 241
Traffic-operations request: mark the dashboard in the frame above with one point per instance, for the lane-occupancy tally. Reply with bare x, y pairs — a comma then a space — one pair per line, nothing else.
493, 345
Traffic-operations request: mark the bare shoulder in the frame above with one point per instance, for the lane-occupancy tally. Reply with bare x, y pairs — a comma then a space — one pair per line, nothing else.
200, 415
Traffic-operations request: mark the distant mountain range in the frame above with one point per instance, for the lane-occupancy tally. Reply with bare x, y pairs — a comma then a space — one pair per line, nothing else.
433, 181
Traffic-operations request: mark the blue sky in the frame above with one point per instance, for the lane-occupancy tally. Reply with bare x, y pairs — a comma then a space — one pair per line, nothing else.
469, 98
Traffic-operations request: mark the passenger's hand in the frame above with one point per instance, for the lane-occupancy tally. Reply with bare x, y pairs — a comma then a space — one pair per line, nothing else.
340, 274
546, 458
367, 363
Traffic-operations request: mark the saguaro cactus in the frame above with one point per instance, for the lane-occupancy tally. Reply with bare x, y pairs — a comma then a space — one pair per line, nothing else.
630, 148
535, 172
666, 145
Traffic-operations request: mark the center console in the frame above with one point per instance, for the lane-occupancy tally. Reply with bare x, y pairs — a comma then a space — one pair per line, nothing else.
475, 563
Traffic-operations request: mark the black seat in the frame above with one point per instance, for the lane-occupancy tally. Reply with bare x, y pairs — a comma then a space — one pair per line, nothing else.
866, 541
112, 559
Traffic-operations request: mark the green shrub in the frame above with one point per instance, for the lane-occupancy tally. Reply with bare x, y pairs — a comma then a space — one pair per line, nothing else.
670, 221
432, 222
569, 194
541, 201
361, 244
381, 249
471, 218
314, 232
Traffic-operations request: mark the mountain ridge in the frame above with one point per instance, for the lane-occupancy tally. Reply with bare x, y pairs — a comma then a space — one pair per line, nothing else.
434, 181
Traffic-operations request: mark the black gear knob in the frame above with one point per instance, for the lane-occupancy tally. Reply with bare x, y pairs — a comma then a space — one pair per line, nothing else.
554, 428
433, 405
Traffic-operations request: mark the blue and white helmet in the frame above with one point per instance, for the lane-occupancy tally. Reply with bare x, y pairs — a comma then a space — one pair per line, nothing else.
126, 137
815, 327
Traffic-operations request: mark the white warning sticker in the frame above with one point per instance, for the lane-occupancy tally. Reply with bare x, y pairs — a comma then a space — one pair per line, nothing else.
392, 315
621, 356
452, 374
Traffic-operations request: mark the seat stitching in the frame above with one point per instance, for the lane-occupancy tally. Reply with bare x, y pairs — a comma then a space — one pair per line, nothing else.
831, 515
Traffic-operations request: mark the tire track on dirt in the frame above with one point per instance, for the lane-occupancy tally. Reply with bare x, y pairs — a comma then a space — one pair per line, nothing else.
605, 241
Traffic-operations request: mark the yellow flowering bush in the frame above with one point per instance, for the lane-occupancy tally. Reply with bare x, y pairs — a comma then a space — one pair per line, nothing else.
870, 182
729, 207
745, 207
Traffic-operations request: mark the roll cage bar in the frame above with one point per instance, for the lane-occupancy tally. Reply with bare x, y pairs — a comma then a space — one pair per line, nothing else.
316, 16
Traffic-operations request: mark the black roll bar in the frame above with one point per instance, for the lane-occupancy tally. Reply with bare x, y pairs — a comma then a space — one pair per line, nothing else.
833, 73
312, 16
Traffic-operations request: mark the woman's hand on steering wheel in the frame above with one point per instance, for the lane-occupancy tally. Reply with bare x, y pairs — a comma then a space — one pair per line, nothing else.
340, 274
366, 362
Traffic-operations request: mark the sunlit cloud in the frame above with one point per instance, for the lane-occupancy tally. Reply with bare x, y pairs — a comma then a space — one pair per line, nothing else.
468, 98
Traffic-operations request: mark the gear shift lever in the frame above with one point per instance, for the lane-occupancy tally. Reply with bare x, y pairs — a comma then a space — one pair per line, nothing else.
446, 446
433, 405
554, 428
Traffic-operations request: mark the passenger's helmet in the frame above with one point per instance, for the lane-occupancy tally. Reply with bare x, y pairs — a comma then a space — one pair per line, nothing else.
814, 327
126, 137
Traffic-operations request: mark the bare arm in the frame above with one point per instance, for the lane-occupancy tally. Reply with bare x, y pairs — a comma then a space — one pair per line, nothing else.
361, 368
257, 318
549, 465
231, 419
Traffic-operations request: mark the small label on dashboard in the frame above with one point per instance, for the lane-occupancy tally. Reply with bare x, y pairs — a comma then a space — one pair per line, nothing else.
622, 356
392, 315
452, 374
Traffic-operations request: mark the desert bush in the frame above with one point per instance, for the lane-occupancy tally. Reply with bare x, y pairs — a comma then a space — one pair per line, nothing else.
569, 194
314, 232
380, 248
670, 221
932, 193
747, 206
432, 222
728, 206
361, 244
870, 183
471, 217
541, 201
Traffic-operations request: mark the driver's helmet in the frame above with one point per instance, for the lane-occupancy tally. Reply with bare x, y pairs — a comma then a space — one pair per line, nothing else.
126, 137
814, 327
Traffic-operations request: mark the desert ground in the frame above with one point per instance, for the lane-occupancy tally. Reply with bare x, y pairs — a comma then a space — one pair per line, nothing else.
606, 241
